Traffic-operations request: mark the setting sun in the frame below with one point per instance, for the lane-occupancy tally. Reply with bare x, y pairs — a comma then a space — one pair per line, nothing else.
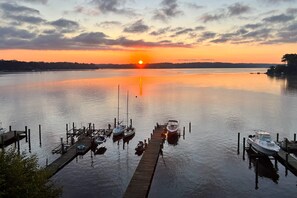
140, 62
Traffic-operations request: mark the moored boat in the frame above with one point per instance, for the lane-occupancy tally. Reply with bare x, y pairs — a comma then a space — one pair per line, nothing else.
172, 127
262, 142
119, 129
100, 139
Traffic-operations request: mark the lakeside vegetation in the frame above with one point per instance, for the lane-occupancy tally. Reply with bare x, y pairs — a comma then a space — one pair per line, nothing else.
19, 66
20, 176
289, 68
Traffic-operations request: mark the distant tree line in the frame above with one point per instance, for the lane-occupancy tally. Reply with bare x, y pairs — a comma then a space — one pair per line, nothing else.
13, 65
289, 68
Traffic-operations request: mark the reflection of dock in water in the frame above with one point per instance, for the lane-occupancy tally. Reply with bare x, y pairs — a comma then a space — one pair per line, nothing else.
265, 167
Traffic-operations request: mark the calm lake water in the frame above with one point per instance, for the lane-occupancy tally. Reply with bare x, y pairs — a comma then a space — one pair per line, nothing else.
218, 102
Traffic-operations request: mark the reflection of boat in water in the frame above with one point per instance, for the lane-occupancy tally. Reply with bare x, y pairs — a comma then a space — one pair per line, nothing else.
265, 166
117, 138
262, 142
172, 128
173, 139
100, 151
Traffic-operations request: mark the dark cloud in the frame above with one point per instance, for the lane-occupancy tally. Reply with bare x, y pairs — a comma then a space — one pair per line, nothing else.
292, 11
160, 31
9, 8
12, 33
19, 19
206, 36
113, 6
212, 17
36, 1
198, 28
282, 18
168, 10
253, 26
108, 24
91, 38
182, 31
238, 9
137, 27
65, 25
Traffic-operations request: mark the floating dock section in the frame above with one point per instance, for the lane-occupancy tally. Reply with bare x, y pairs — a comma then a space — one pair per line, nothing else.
140, 183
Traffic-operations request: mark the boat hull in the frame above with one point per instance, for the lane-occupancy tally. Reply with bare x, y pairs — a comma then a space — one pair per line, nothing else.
258, 148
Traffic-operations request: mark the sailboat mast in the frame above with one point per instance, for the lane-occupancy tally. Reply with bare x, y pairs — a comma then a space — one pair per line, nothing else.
127, 108
118, 104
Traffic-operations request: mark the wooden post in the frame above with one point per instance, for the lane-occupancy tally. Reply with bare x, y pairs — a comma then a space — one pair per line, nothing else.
40, 135
275, 163
29, 137
243, 145
18, 140
66, 128
130, 122
190, 127
9, 128
115, 123
26, 132
93, 127
62, 146
277, 137
257, 173
90, 126
109, 126
2, 142
294, 137
15, 138
287, 164
73, 126
238, 143
184, 130
72, 140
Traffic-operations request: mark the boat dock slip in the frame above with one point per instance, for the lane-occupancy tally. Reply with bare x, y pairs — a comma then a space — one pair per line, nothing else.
288, 161
11, 136
71, 153
140, 183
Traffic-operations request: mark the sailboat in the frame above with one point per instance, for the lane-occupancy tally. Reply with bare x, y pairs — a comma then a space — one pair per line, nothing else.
119, 129
129, 131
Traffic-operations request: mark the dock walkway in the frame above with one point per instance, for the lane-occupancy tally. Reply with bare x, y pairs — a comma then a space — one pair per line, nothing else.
71, 153
292, 162
140, 183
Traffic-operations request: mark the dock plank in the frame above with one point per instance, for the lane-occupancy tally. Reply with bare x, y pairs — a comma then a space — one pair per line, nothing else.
292, 162
140, 183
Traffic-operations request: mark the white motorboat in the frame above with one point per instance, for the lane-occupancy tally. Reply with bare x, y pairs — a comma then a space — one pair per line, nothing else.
119, 129
172, 127
100, 139
262, 142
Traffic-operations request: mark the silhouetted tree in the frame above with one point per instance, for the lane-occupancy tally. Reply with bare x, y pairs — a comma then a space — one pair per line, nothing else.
291, 60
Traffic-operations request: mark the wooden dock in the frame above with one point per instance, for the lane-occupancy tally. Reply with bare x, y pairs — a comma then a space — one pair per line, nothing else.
140, 183
11, 136
289, 161
71, 153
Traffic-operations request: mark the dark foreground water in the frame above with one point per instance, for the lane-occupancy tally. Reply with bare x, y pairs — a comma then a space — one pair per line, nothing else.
218, 102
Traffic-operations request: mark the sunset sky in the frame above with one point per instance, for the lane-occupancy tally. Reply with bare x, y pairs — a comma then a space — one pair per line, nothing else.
125, 31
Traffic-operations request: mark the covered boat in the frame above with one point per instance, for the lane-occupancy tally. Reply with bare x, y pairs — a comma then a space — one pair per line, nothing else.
172, 127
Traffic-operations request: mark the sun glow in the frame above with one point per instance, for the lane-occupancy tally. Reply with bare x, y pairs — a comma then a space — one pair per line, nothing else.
140, 62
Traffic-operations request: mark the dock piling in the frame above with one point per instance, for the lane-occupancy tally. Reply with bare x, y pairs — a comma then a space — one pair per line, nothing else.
115, 123
243, 150
190, 127
294, 137
130, 122
277, 137
9, 128
238, 143
257, 173
184, 130
29, 138
26, 132
39, 135
18, 141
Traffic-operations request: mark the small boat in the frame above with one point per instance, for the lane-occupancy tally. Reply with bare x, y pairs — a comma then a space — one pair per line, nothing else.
172, 127
262, 142
140, 146
100, 139
2, 130
81, 149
